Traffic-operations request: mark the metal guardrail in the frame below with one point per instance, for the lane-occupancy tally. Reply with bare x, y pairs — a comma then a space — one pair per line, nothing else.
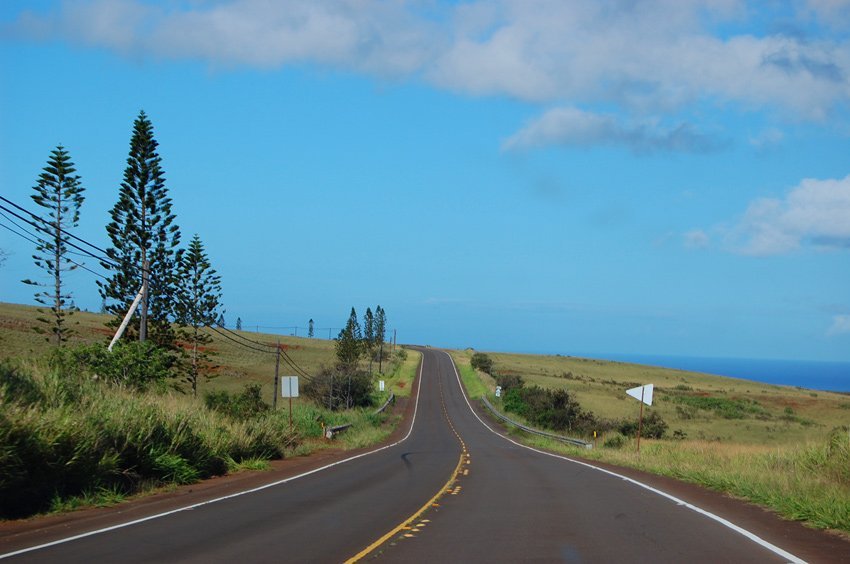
576, 442
331, 431
386, 403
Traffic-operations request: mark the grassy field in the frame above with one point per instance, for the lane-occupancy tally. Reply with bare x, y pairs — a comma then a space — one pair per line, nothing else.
782, 447
700, 406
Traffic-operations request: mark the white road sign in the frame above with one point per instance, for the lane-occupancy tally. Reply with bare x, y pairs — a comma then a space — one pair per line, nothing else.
289, 387
642, 393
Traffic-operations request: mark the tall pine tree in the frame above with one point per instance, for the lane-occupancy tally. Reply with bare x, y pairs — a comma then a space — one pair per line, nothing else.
369, 335
348, 344
59, 192
380, 334
143, 231
197, 303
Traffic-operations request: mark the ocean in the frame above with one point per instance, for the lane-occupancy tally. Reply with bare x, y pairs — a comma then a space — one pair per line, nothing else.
816, 375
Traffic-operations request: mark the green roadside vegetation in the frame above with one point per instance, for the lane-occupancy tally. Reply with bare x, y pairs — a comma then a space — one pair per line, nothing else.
785, 448
71, 436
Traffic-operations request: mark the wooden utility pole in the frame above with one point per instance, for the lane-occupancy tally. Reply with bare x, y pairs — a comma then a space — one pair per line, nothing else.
143, 322
276, 369
640, 419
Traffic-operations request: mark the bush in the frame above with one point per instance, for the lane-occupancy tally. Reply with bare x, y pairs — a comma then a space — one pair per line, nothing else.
132, 364
482, 362
615, 441
654, 427
338, 389
509, 381
246, 405
550, 409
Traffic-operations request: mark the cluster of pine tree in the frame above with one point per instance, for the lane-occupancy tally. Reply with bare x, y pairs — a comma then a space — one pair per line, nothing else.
352, 343
178, 285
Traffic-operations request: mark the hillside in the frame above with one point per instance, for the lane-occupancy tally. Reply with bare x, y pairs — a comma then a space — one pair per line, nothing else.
238, 364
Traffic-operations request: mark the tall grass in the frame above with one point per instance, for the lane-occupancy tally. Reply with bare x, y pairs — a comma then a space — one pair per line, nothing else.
64, 435
809, 483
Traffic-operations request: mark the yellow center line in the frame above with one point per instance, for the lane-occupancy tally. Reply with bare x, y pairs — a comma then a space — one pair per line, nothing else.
431, 502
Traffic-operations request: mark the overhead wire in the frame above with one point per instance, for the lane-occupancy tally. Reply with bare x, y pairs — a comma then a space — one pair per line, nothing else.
106, 260
284, 355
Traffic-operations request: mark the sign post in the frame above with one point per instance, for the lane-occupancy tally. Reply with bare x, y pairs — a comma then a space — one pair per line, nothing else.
644, 394
289, 389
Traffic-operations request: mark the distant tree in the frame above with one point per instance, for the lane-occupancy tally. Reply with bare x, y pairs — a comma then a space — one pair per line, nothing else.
369, 335
221, 322
380, 334
310, 328
197, 303
143, 231
380, 326
59, 192
482, 362
348, 344
238, 323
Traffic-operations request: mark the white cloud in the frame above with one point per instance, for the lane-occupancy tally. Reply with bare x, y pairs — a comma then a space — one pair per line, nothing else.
840, 325
814, 213
572, 126
697, 239
569, 54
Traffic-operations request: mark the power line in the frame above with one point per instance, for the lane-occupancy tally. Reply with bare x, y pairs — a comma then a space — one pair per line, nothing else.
284, 354
34, 216
229, 338
39, 241
70, 244
108, 261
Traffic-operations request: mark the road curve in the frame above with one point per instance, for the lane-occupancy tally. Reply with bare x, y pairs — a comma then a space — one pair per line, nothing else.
453, 490
515, 504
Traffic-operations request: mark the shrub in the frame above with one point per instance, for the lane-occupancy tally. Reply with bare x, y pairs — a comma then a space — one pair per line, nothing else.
132, 364
654, 427
340, 389
248, 404
482, 362
551, 409
509, 381
615, 441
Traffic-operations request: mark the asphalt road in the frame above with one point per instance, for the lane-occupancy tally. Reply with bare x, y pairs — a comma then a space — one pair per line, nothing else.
499, 502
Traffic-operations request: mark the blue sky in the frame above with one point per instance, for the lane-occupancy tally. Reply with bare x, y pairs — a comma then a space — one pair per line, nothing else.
561, 177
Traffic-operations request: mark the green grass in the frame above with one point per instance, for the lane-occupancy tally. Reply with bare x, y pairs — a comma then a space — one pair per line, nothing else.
478, 384
781, 447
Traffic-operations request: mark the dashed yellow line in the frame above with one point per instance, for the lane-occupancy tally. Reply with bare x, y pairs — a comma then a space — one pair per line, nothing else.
405, 525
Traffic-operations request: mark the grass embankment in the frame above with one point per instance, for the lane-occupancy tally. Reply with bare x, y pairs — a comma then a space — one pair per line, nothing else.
784, 448
65, 437
68, 440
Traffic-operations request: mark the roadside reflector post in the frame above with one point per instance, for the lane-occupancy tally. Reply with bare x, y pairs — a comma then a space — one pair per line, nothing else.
644, 394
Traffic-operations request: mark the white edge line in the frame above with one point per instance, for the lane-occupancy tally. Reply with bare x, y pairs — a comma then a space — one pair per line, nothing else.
752, 536
237, 494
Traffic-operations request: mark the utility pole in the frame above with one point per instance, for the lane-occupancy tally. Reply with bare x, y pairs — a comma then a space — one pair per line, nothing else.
276, 368
143, 322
